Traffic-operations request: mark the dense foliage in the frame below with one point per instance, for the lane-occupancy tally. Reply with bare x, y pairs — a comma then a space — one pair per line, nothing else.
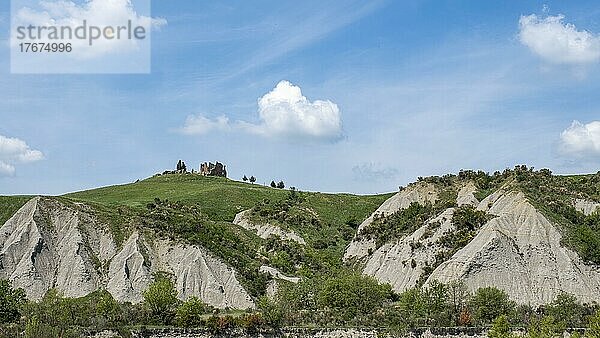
398, 224
324, 221
11, 302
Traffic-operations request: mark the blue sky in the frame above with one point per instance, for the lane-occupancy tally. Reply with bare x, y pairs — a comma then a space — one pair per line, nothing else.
390, 90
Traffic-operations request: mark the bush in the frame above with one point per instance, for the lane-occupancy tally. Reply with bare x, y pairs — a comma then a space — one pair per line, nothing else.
11, 302
161, 299
547, 327
189, 314
566, 309
271, 312
489, 303
593, 329
500, 328
351, 295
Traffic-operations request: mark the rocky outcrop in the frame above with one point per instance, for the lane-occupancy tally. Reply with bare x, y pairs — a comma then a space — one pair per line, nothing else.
419, 192
402, 263
266, 230
50, 244
200, 274
520, 252
466, 195
273, 272
43, 248
585, 206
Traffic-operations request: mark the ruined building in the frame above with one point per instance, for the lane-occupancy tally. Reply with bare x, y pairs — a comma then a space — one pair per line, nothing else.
210, 169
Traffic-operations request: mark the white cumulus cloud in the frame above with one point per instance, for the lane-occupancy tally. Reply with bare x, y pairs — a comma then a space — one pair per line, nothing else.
283, 113
14, 150
558, 42
581, 139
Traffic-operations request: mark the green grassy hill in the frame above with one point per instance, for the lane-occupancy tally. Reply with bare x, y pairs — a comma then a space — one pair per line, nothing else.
9, 205
220, 198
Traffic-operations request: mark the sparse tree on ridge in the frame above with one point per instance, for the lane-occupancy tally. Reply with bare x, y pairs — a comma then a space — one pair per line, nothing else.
245, 179
252, 179
280, 185
273, 185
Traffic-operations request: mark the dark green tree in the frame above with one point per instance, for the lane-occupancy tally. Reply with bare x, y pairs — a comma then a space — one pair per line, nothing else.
189, 314
245, 179
566, 309
252, 179
489, 303
281, 185
273, 184
500, 328
11, 302
352, 295
271, 311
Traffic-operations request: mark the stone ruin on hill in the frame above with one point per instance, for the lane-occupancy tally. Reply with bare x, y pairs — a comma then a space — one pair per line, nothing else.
210, 169
181, 169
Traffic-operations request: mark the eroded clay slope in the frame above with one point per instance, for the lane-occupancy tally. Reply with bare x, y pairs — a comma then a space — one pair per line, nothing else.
585, 206
520, 252
401, 264
266, 230
49, 244
419, 192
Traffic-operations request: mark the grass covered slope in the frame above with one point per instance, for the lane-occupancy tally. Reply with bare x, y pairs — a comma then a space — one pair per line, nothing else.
9, 205
220, 198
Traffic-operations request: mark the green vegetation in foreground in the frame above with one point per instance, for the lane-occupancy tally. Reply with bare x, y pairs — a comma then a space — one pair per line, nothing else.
9, 205
346, 299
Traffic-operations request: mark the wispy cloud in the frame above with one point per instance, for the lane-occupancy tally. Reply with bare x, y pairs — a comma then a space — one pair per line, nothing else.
308, 30
374, 172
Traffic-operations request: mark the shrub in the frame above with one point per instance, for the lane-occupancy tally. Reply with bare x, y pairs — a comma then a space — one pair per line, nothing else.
489, 303
351, 295
593, 329
271, 312
189, 313
11, 302
161, 299
547, 327
500, 328
565, 308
